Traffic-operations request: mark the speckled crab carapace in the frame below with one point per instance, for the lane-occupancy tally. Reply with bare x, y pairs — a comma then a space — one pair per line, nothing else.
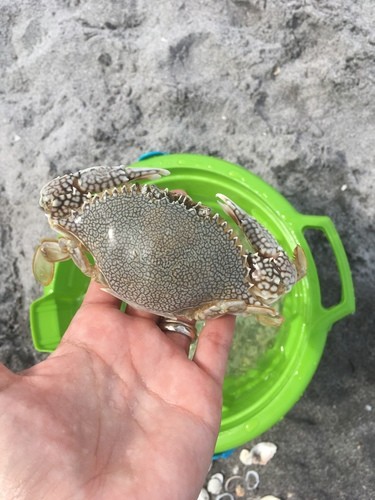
162, 252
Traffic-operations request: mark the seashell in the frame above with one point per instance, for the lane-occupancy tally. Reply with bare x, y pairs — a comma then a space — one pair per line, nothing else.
203, 495
215, 483
240, 491
270, 497
259, 454
263, 452
225, 496
219, 476
245, 457
251, 480
232, 482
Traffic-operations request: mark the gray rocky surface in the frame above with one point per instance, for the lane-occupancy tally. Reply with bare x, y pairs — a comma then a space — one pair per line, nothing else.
284, 88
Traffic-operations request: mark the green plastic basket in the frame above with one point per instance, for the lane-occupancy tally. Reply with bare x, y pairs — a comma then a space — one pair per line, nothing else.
255, 401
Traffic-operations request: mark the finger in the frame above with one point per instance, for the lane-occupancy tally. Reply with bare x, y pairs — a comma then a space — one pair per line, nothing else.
214, 345
138, 313
182, 341
6, 377
95, 295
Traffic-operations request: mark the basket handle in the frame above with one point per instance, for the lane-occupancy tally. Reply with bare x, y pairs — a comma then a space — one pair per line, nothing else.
347, 302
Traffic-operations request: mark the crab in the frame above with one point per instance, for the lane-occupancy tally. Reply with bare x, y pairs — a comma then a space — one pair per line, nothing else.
161, 252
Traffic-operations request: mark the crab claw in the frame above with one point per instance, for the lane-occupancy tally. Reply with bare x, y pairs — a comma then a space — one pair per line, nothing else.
64, 194
272, 273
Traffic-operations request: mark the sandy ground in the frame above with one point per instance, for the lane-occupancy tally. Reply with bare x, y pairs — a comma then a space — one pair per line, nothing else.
284, 88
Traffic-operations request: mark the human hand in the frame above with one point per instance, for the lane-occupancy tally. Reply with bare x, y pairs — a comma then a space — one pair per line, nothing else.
118, 411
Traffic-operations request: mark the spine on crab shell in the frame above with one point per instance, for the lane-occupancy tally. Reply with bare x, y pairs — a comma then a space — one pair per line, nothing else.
190, 205
154, 192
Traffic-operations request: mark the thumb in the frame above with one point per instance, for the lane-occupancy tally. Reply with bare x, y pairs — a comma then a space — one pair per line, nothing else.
214, 345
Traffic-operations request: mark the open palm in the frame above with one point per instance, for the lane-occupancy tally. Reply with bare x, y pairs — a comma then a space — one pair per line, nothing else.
117, 411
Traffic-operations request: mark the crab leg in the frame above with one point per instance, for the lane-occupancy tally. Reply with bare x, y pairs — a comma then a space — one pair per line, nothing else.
45, 256
58, 250
272, 272
240, 308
